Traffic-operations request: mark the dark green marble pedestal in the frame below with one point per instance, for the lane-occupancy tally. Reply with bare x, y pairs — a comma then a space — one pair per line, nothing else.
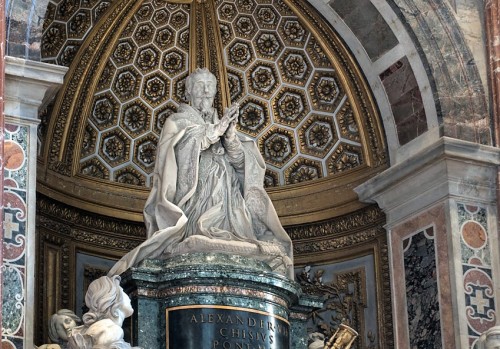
215, 301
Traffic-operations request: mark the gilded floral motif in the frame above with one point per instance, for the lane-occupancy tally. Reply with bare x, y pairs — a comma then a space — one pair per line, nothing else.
143, 33
178, 20
126, 84
164, 38
160, 17
124, 52
291, 106
293, 32
326, 90
267, 17
145, 12
147, 153
135, 117
53, 40
317, 136
268, 44
303, 170
246, 5
227, 12
253, 116
173, 62
263, 79
240, 54
344, 158
295, 67
130, 176
147, 59
155, 90
94, 168
114, 148
277, 146
104, 111
245, 26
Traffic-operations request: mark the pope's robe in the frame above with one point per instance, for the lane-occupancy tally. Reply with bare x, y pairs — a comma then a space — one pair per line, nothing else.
203, 185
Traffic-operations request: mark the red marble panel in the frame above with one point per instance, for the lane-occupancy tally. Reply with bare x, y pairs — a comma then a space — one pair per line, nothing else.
492, 26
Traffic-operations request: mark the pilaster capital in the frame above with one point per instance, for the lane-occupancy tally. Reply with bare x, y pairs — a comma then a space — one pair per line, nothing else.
448, 168
29, 85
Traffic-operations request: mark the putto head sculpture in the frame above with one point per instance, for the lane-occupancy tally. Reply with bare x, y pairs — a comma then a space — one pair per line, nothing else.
208, 188
61, 325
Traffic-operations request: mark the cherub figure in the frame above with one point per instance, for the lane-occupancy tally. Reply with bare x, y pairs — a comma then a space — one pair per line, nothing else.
102, 324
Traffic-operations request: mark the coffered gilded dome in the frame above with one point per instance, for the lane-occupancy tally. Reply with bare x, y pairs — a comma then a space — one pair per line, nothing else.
302, 97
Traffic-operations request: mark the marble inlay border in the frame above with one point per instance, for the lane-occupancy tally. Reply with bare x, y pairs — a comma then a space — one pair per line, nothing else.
202, 289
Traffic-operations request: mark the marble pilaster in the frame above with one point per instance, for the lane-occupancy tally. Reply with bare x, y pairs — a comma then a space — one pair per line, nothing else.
492, 27
27, 86
2, 118
441, 207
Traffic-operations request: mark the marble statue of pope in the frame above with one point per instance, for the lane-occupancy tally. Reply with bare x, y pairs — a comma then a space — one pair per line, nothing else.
207, 193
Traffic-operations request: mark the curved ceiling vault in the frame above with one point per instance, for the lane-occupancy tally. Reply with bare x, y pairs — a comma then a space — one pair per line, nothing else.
303, 99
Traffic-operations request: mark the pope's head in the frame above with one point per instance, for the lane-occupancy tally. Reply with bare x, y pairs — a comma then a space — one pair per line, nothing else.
201, 87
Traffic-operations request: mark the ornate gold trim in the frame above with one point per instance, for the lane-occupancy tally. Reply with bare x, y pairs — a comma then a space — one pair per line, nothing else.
229, 308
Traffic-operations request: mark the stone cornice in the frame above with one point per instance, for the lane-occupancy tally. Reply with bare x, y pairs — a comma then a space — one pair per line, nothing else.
29, 85
447, 168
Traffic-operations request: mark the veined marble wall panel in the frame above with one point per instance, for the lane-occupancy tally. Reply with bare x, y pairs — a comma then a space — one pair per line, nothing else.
477, 273
458, 91
24, 27
406, 100
367, 24
16, 149
420, 258
422, 297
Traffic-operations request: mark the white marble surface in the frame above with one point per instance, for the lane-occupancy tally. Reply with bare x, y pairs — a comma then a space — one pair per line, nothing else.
28, 85
447, 168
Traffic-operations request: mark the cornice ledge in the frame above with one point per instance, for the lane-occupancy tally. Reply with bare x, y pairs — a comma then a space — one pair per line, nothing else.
445, 148
29, 86
34, 70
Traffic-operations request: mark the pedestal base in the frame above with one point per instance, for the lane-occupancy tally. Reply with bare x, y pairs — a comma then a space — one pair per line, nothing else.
215, 301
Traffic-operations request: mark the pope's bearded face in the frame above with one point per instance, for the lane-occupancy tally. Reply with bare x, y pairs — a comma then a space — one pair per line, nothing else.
203, 92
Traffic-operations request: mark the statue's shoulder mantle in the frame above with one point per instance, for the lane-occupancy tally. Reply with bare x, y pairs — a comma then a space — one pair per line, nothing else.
186, 114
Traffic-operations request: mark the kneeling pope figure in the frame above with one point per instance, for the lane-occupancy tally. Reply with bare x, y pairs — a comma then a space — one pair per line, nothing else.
208, 188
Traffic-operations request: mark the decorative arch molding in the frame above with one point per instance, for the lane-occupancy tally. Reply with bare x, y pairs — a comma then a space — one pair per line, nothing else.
452, 95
